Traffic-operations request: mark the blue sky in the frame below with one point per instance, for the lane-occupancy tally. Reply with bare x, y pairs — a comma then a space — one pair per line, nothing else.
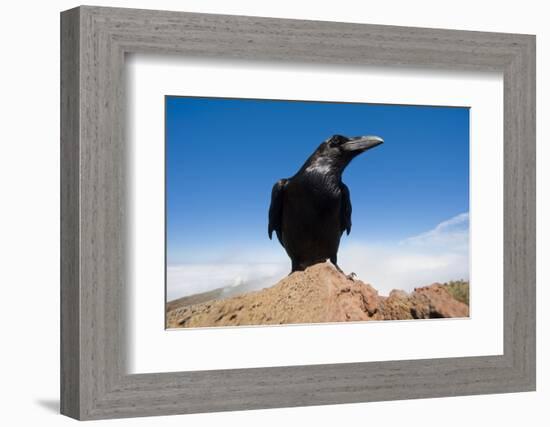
224, 155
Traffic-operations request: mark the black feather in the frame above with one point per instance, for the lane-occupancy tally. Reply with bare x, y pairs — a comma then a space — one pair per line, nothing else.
276, 210
345, 213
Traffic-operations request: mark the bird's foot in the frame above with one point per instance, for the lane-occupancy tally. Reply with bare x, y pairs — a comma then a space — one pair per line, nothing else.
352, 276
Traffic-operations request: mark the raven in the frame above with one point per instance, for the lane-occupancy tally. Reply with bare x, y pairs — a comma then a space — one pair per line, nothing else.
310, 211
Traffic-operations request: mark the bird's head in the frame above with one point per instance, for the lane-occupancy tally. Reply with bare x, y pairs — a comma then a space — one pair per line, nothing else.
336, 152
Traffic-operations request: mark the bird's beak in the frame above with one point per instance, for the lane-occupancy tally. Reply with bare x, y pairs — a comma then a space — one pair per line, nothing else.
362, 143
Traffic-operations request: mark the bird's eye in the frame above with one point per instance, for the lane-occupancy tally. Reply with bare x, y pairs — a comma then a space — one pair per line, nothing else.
336, 140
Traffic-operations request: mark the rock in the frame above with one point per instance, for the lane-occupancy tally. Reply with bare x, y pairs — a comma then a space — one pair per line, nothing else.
397, 305
319, 294
437, 302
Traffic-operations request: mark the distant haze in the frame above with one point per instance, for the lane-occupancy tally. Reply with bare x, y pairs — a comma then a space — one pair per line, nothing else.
439, 255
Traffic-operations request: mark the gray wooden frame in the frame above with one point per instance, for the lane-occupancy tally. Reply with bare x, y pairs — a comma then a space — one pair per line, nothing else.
94, 382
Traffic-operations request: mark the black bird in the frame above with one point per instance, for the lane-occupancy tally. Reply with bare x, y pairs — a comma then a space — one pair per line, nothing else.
311, 210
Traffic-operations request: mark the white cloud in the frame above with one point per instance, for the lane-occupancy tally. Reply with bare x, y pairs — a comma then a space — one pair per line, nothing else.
438, 255
452, 234
190, 279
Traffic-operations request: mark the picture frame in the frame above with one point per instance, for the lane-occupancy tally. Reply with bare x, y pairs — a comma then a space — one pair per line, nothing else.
94, 380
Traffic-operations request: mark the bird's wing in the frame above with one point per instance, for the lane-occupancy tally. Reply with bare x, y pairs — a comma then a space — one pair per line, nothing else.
276, 209
345, 210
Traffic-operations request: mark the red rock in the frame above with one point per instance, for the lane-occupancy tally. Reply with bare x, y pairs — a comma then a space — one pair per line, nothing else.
319, 294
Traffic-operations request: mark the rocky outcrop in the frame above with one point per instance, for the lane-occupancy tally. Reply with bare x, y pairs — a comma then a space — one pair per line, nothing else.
319, 294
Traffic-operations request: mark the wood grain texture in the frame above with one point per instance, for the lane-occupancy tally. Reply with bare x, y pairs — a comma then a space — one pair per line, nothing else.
70, 220
94, 382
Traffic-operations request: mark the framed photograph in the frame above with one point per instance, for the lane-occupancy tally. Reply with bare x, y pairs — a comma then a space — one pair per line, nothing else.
221, 267
262, 213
